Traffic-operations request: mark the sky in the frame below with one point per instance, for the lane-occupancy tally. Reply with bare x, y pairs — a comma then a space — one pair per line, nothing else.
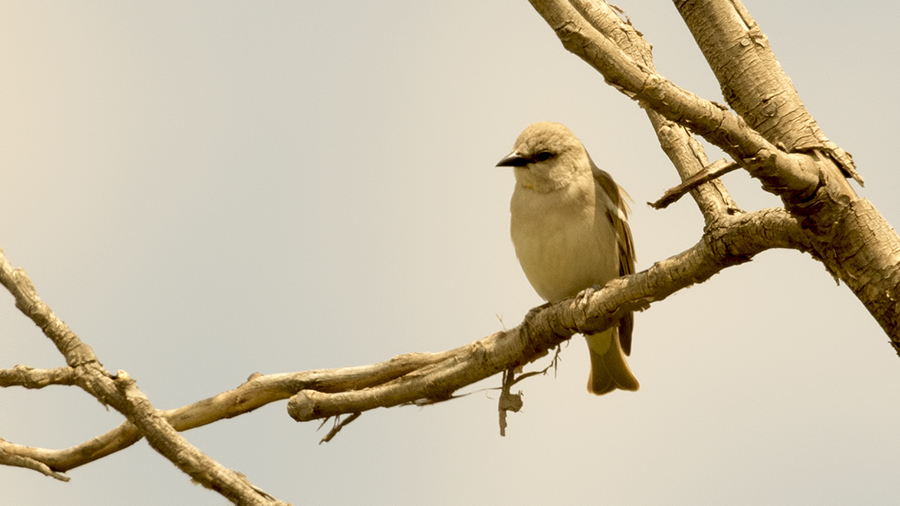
204, 190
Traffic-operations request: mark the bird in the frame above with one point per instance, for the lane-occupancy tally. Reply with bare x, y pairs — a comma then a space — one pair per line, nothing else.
569, 228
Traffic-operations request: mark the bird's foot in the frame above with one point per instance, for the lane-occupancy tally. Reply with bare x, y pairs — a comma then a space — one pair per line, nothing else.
581, 298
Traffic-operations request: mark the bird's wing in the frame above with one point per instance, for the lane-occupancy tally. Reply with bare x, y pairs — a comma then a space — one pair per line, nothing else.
618, 217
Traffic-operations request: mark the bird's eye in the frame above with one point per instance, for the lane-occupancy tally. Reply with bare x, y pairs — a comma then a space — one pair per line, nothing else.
543, 156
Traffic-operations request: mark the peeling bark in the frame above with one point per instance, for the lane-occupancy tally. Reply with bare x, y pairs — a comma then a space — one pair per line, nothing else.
772, 135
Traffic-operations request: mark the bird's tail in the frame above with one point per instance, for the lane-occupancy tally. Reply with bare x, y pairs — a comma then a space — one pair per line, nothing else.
609, 370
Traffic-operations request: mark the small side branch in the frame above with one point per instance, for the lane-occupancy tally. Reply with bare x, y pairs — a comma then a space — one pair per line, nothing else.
710, 172
8, 457
338, 425
29, 377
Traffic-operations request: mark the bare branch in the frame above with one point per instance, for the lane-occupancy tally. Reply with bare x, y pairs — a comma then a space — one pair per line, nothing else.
752, 80
714, 171
686, 154
168, 442
8, 457
435, 376
96, 448
793, 176
19, 285
121, 393
730, 241
846, 233
338, 425
256, 392
29, 377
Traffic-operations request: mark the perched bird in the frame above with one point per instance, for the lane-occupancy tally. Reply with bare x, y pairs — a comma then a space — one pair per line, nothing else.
570, 232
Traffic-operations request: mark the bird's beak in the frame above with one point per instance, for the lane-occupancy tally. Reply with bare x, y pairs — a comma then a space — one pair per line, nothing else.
513, 159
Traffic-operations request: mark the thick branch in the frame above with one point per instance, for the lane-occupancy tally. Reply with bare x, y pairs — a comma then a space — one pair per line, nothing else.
730, 241
793, 176
849, 235
753, 82
809, 179
863, 250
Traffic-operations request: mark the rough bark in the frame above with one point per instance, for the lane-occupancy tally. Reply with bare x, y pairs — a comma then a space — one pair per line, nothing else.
848, 234
772, 135
753, 82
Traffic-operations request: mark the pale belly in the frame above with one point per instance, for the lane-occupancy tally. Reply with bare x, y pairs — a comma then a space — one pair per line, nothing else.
562, 256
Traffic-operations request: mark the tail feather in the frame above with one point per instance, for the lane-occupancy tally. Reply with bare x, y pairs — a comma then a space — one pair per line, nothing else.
609, 370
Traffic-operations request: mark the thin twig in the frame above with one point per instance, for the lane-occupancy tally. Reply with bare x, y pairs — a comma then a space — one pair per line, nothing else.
712, 171
338, 425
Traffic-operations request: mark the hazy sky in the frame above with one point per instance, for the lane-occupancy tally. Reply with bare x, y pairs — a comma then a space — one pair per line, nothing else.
203, 190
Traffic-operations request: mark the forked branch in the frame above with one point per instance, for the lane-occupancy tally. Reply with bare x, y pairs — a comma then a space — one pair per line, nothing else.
419, 378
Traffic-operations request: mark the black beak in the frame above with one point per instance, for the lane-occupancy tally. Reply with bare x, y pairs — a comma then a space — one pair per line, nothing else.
513, 159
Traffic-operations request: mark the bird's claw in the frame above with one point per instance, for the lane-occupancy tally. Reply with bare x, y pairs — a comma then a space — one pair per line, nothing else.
582, 297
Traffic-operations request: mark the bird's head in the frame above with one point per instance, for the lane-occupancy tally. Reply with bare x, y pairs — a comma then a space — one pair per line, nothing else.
546, 157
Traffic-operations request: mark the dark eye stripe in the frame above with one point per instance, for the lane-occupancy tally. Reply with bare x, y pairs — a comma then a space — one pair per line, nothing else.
543, 156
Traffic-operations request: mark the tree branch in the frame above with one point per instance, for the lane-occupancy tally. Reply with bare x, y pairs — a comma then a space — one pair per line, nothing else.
686, 154
256, 392
753, 82
731, 241
847, 234
10, 458
121, 393
793, 176
709, 173
168, 442
435, 376
29, 377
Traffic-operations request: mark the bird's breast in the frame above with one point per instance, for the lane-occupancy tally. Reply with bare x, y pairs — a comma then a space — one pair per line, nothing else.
564, 244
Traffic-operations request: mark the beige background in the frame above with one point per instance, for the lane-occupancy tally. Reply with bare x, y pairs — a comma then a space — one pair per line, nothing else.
207, 189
